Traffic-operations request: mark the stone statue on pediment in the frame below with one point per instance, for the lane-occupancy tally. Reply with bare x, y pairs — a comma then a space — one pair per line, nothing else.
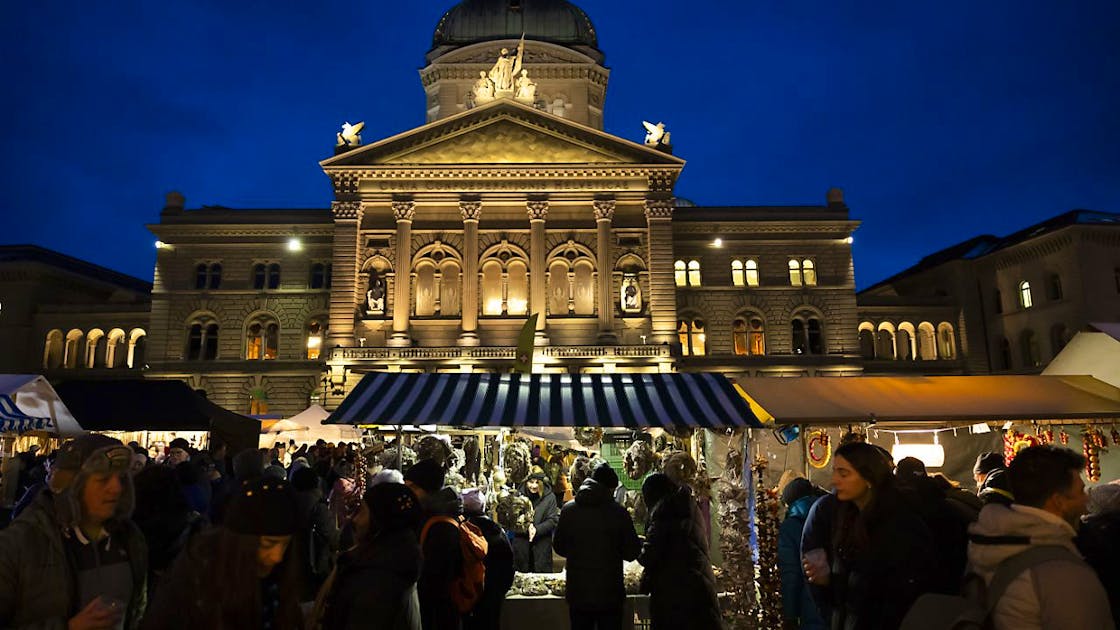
507, 67
351, 135
655, 134
375, 294
526, 89
483, 90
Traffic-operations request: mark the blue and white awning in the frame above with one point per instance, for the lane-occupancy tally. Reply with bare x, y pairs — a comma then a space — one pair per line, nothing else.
12, 420
547, 400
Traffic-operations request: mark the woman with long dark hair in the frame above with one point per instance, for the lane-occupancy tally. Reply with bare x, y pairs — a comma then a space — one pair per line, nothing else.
242, 575
883, 558
374, 584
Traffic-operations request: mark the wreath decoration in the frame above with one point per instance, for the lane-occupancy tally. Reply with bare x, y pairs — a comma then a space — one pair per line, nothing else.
819, 440
588, 436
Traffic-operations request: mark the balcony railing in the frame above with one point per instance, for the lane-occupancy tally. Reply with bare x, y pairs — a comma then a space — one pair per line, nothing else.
497, 352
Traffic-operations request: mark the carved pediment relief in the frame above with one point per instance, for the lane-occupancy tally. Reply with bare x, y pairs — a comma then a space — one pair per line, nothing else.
503, 142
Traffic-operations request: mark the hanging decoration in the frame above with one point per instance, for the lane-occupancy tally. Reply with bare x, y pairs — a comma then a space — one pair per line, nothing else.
768, 606
588, 436
1063, 437
1115, 436
737, 576
388, 457
1092, 443
436, 448
820, 449
517, 459
639, 459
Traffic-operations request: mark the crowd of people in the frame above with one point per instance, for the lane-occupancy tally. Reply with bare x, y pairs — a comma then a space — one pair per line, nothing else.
105, 536
892, 546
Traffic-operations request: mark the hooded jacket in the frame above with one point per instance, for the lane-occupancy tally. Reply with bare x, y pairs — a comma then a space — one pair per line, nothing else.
1055, 595
38, 582
797, 603
595, 534
377, 585
677, 571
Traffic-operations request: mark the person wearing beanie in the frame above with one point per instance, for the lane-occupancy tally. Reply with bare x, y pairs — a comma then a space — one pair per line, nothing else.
242, 574
798, 609
532, 550
985, 464
375, 583
441, 550
676, 569
178, 451
74, 558
316, 532
595, 534
487, 613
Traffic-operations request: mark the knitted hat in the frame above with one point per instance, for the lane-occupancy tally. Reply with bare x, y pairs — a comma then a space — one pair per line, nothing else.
427, 475
304, 480
605, 475
74, 453
262, 507
392, 506
655, 488
908, 467
180, 443
474, 501
987, 462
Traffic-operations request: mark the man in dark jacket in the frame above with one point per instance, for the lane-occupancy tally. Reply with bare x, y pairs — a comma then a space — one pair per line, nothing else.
1098, 539
532, 550
441, 550
596, 534
316, 530
74, 558
798, 609
487, 613
677, 572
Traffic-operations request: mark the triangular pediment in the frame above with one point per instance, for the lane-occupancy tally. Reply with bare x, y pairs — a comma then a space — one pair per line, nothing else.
502, 132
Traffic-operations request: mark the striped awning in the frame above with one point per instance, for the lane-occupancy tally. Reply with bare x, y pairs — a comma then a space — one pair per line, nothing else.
13, 420
557, 400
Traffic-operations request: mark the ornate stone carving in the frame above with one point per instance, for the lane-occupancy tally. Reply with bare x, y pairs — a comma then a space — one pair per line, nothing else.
471, 210
655, 134
404, 210
604, 209
660, 182
351, 135
526, 88
507, 67
538, 209
345, 183
659, 208
351, 210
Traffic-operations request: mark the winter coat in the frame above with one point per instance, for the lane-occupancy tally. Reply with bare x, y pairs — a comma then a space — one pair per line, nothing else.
1055, 595
595, 534
375, 585
677, 572
874, 588
38, 584
817, 534
1099, 541
949, 525
499, 575
797, 604
314, 518
536, 556
443, 562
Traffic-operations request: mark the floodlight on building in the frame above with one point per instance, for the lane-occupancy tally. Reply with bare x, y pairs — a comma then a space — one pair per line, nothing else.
849, 240
294, 244
717, 243
162, 245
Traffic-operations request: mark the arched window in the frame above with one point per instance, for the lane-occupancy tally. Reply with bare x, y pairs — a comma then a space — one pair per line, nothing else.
1028, 346
505, 280
1054, 287
946, 341
53, 350
260, 275
927, 342
319, 277
202, 339
1025, 300
749, 336
208, 276
808, 337
692, 337
885, 342
95, 349
907, 342
215, 275
1004, 354
274, 276
867, 340
738, 278
559, 288
115, 353
680, 273
493, 289
450, 285
583, 287
517, 288
809, 273
201, 275
426, 296
752, 273
316, 334
1058, 338
137, 346
262, 338
794, 272
73, 348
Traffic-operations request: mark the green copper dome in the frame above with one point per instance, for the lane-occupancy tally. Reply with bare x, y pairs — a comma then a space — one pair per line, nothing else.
555, 21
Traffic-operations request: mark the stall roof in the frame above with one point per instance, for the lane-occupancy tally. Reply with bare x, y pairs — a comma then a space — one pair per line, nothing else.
154, 405
564, 400
28, 403
934, 399
1090, 352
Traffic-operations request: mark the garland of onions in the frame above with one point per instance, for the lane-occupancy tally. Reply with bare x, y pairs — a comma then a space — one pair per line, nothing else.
768, 606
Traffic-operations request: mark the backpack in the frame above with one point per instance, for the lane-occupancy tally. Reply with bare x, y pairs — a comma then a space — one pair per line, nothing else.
467, 587
935, 611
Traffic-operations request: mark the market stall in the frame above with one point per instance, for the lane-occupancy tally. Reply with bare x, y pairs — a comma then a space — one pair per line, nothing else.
518, 419
31, 412
153, 412
306, 427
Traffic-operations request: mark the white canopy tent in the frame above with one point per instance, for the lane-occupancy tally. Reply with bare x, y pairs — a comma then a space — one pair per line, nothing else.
310, 420
1095, 352
35, 408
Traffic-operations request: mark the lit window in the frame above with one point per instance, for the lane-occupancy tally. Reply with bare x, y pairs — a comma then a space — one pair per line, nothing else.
752, 273
262, 339
737, 277
749, 337
680, 273
808, 273
1025, 300
692, 337
693, 273
794, 273
315, 336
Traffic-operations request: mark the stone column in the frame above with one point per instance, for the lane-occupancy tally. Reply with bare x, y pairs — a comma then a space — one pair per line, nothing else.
604, 213
344, 276
472, 212
538, 288
662, 289
402, 302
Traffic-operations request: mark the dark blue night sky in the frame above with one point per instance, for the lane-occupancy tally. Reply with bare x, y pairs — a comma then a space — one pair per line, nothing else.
939, 120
